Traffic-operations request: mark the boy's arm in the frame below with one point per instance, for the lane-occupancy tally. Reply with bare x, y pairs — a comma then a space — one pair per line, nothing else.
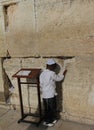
64, 73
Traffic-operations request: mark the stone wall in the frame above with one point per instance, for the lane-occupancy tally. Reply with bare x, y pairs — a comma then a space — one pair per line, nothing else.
11, 66
78, 90
2, 37
31, 31
64, 27
2, 97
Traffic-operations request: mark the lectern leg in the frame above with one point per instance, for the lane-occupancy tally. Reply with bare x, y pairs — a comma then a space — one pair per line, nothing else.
20, 97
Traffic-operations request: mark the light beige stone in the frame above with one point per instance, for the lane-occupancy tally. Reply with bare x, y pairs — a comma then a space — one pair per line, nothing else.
21, 29
11, 66
76, 100
67, 30
2, 98
46, 28
2, 35
50, 28
78, 94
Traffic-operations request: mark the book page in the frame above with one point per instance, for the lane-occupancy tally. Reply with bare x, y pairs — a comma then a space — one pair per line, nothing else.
24, 73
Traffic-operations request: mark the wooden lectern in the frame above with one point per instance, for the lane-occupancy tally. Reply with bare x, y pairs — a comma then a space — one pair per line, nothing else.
29, 73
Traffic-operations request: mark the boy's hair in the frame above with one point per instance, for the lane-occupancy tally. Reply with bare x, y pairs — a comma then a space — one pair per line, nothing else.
51, 67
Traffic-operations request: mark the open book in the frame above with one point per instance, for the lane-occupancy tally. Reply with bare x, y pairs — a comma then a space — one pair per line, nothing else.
24, 72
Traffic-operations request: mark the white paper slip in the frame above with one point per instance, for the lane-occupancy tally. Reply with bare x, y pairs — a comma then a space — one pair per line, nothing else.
24, 72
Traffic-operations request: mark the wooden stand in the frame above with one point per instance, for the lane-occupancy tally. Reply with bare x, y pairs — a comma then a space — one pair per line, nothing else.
31, 74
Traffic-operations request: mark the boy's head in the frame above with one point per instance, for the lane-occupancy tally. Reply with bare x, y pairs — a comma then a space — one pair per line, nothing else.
51, 64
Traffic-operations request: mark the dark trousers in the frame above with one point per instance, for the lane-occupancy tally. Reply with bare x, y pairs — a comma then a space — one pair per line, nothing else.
49, 109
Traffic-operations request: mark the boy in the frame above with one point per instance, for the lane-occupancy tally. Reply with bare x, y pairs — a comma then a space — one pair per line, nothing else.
48, 88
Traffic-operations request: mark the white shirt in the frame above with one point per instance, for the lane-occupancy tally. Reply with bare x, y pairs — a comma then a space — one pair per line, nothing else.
47, 83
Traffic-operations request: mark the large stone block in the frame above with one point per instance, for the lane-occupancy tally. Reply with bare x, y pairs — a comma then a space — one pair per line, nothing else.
49, 28
21, 28
78, 92
65, 29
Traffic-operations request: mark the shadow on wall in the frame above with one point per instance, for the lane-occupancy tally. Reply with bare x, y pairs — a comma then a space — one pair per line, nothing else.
59, 92
7, 87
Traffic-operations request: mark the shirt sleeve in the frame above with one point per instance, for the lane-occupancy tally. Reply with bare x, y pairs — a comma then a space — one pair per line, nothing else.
58, 77
62, 69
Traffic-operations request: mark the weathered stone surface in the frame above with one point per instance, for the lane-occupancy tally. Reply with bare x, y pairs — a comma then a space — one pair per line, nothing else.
21, 29
2, 98
67, 30
50, 28
75, 94
2, 37
11, 66
78, 90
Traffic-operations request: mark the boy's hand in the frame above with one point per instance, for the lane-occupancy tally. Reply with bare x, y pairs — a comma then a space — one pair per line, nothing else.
64, 72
